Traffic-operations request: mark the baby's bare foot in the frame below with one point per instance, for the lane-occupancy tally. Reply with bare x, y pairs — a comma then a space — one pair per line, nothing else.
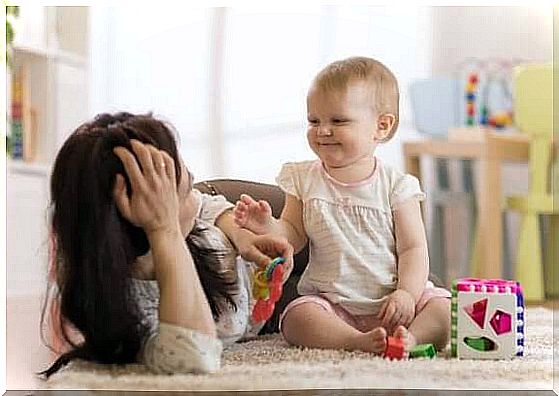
376, 340
407, 338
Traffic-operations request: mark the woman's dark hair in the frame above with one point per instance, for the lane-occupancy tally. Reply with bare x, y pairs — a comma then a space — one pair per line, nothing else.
96, 247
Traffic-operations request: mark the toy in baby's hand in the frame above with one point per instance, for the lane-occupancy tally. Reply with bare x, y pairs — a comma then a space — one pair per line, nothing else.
266, 289
487, 319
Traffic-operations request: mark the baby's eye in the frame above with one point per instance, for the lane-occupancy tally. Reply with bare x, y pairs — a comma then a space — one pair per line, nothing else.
313, 122
339, 121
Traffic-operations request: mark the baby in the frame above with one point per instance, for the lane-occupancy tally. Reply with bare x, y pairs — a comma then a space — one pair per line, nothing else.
368, 266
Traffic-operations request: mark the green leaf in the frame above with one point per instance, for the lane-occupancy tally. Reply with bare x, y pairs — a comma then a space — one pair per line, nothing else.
12, 10
9, 33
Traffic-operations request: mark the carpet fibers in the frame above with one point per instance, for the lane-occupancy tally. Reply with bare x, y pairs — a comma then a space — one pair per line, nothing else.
269, 363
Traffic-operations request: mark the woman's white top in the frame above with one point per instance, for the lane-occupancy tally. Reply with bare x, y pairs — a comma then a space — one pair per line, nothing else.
170, 348
352, 244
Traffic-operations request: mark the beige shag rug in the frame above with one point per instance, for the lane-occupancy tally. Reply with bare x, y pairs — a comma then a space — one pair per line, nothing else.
270, 363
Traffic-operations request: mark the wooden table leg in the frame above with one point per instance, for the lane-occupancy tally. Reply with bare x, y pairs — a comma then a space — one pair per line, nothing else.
490, 216
411, 162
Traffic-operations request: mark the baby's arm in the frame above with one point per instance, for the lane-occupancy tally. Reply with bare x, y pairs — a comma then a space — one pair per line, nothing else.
257, 217
411, 248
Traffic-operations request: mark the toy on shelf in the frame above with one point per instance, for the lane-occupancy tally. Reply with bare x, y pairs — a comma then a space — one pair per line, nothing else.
423, 351
487, 92
487, 319
395, 349
266, 289
471, 88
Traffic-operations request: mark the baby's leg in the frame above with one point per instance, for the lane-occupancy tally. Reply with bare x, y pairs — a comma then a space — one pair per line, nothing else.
313, 325
430, 326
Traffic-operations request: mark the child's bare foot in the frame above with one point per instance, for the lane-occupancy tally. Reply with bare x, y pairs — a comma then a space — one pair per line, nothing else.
407, 337
376, 340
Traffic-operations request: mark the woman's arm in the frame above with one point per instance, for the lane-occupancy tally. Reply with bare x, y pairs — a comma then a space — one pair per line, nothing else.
182, 300
260, 249
411, 248
154, 206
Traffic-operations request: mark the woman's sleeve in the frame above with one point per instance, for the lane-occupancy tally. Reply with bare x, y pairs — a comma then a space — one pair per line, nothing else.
212, 206
175, 349
406, 187
168, 348
288, 181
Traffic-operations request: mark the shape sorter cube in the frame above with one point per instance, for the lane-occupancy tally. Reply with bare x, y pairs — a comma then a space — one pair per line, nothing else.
487, 319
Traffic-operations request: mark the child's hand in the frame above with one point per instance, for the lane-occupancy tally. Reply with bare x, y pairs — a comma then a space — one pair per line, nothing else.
398, 309
252, 215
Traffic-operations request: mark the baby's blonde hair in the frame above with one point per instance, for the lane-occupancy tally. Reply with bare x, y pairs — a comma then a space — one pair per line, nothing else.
382, 82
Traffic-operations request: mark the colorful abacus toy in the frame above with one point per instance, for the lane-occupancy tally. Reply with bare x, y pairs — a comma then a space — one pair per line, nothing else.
487, 319
266, 289
471, 89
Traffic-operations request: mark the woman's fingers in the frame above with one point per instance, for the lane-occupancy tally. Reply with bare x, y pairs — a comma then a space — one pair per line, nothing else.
144, 156
255, 255
131, 167
121, 197
170, 167
159, 165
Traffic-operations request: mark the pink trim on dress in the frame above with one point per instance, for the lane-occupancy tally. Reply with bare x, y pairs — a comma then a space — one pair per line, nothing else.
360, 183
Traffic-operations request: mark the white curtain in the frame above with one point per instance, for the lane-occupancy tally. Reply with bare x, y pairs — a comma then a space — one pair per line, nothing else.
233, 81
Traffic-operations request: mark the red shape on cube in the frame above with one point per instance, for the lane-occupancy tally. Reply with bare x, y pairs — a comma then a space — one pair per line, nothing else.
476, 311
395, 348
501, 322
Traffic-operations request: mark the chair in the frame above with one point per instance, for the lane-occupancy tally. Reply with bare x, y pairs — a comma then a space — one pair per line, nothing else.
435, 105
533, 90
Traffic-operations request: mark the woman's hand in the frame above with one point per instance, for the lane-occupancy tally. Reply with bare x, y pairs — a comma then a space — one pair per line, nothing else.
261, 249
154, 203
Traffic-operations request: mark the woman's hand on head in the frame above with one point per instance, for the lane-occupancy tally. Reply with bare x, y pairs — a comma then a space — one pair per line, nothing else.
261, 249
154, 203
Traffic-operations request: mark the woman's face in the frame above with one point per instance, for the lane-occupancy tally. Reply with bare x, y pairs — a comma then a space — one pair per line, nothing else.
189, 205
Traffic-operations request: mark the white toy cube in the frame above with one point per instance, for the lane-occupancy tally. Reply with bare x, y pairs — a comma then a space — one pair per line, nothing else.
487, 319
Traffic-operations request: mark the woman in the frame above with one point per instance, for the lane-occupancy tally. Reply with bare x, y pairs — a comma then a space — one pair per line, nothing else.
122, 206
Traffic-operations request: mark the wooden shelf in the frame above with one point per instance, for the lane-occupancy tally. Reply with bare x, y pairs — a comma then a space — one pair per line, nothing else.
31, 51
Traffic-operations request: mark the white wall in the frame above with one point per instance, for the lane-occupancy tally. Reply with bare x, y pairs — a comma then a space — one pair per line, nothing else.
509, 33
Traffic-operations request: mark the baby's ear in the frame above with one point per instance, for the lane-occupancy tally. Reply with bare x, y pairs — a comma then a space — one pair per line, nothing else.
385, 123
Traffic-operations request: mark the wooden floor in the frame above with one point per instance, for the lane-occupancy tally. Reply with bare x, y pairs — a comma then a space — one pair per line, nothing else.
27, 355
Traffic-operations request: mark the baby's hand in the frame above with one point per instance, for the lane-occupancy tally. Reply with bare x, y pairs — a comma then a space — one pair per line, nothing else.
252, 215
398, 309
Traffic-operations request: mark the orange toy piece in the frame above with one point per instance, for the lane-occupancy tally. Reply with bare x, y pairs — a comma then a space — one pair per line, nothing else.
395, 349
267, 289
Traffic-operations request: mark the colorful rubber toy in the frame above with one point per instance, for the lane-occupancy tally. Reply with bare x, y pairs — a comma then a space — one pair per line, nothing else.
395, 349
487, 319
266, 289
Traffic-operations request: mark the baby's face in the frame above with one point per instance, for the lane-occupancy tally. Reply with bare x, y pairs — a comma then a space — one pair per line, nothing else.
341, 125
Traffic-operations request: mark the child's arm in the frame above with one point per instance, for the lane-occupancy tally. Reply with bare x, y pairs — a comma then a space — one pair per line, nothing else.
257, 217
411, 248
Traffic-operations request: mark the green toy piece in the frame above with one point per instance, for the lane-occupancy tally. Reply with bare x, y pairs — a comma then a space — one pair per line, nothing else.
423, 351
